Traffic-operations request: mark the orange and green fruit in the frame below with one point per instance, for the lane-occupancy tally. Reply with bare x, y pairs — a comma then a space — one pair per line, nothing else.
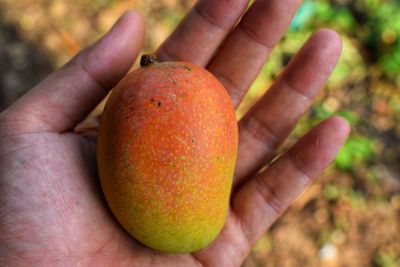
167, 147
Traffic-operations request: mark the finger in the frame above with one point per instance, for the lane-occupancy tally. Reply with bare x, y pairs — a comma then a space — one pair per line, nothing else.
89, 127
264, 198
245, 51
274, 116
198, 36
68, 95
229, 249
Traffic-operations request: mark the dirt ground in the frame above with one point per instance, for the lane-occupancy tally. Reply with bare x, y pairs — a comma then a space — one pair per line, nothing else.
348, 218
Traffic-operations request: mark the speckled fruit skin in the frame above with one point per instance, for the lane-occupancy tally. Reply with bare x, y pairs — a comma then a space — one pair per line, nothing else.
167, 148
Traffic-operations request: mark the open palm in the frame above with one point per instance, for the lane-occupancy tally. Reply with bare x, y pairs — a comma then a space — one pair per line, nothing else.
52, 211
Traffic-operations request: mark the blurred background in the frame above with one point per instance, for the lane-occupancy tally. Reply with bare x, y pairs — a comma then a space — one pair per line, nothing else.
351, 216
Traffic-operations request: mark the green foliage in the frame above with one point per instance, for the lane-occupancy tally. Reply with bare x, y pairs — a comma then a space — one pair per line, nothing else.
334, 192
375, 23
303, 16
321, 113
369, 30
354, 151
387, 259
331, 192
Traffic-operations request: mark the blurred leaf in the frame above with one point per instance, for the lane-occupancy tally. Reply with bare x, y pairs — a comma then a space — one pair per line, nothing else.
331, 192
355, 150
350, 116
321, 113
304, 14
386, 259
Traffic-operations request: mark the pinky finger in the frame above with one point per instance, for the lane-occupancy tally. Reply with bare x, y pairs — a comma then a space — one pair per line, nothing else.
264, 198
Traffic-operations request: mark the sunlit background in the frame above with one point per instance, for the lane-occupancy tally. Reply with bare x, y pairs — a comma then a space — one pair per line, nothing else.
351, 216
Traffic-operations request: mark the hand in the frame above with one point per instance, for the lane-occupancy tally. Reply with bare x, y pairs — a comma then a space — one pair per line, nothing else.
52, 211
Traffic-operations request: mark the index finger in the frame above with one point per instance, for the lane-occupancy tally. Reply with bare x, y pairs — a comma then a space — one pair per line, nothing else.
200, 34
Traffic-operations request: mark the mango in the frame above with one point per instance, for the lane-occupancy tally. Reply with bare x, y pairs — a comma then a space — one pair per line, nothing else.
166, 153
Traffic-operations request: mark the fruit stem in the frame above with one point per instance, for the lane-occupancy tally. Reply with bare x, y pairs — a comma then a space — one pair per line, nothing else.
148, 59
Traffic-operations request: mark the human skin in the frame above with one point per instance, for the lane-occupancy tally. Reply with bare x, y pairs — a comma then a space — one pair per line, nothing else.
52, 212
